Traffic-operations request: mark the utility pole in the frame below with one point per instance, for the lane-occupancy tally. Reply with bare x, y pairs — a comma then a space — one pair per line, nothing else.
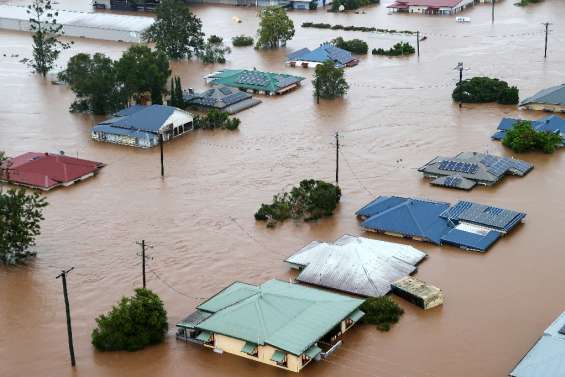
418, 42
493, 1
337, 158
143, 258
546, 32
63, 276
161, 146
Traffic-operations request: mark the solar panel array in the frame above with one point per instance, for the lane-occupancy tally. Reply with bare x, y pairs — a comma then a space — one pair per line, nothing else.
461, 167
207, 101
521, 166
452, 182
489, 160
285, 81
225, 90
493, 217
253, 78
235, 98
501, 166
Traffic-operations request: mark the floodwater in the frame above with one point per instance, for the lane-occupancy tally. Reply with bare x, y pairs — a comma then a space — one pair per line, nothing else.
199, 219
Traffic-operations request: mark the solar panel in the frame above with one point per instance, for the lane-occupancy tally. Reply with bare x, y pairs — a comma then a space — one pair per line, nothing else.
489, 160
225, 90
235, 98
500, 167
521, 166
461, 167
452, 182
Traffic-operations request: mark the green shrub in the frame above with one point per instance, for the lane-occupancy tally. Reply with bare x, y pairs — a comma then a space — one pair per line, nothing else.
382, 312
366, 29
485, 89
523, 3
355, 46
401, 48
524, 138
242, 41
351, 4
214, 39
311, 200
133, 324
215, 118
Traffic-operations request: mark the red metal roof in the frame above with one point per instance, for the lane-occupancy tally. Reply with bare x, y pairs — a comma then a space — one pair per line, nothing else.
402, 4
46, 171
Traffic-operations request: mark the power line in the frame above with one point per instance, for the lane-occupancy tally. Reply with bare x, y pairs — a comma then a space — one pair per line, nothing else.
355, 175
171, 287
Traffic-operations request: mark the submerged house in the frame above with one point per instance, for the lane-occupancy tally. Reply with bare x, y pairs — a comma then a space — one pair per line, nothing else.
468, 169
46, 171
143, 126
254, 81
356, 265
550, 99
547, 357
467, 225
551, 123
418, 292
431, 6
307, 58
230, 100
276, 323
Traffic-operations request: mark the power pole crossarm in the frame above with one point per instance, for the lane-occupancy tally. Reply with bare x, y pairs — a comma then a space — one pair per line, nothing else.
63, 276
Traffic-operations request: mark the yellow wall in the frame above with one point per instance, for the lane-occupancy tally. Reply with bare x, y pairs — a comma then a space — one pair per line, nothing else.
540, 107
234, 346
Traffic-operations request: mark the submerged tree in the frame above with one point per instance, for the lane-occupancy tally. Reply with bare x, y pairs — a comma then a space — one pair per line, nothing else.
524, 138
133, 324
382, 312
177, 99
45, 31
21, 214
214, 51
177, 32
329, 81
275, 28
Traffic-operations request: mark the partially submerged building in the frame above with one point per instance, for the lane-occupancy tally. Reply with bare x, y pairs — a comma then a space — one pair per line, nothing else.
46, 171
254, 81
467, 225
276, 323
430, 6
418, 292
356, 265
307, 58
127, 5
105, 26
468, 169
547, 357
142, 126
230, 100
550, 99
551, 123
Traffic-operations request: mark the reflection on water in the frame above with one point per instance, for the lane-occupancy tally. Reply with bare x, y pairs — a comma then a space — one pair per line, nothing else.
397, 116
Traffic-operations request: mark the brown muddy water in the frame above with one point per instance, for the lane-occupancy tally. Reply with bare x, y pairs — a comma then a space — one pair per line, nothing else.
397, 116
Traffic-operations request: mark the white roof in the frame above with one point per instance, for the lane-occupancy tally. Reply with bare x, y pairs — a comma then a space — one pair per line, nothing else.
84, 19
356, 265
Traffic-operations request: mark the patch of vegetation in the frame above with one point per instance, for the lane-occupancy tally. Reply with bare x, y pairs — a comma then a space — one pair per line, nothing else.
242, 41
177, 99
351, 4
524, 138
485, 89
311, 200
214, 51
523, 3
216, 119
399, 49
329, 82
382, 312
136, 322
365, 29
275, 28
355, 46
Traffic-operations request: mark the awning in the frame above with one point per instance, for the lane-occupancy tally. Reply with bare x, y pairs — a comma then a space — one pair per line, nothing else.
278, 356
204, 336
313, 351
249, 348
356, 315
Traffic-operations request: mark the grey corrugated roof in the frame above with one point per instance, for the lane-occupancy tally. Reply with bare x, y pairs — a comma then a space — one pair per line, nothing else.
222, 97
550, 96
479, 167
356, 265
454, 181
194, 319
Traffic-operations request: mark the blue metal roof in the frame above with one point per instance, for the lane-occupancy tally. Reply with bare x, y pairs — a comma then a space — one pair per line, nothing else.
472, 241
324, 53
108, 129
143, 118
551, 123
547, 356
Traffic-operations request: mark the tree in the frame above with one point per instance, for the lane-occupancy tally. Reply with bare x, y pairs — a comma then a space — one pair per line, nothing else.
382, 312
400, 48
214, 51
177, 99
355, 46
133, 324
275, 28
141, 70
242, 41
524, 138
176, 32
21, 214
329, 81
45, 29
94, 81
485, 89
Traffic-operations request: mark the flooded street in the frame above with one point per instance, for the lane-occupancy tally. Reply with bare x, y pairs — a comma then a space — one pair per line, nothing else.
397, 116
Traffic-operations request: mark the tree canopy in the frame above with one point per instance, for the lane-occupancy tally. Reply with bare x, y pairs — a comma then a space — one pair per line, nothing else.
133, 324
275, 28
21, 214
329, 81
355, 46
176, 32
214, 51
45, 31
382, 312
485, 89
399, 49
524, 138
